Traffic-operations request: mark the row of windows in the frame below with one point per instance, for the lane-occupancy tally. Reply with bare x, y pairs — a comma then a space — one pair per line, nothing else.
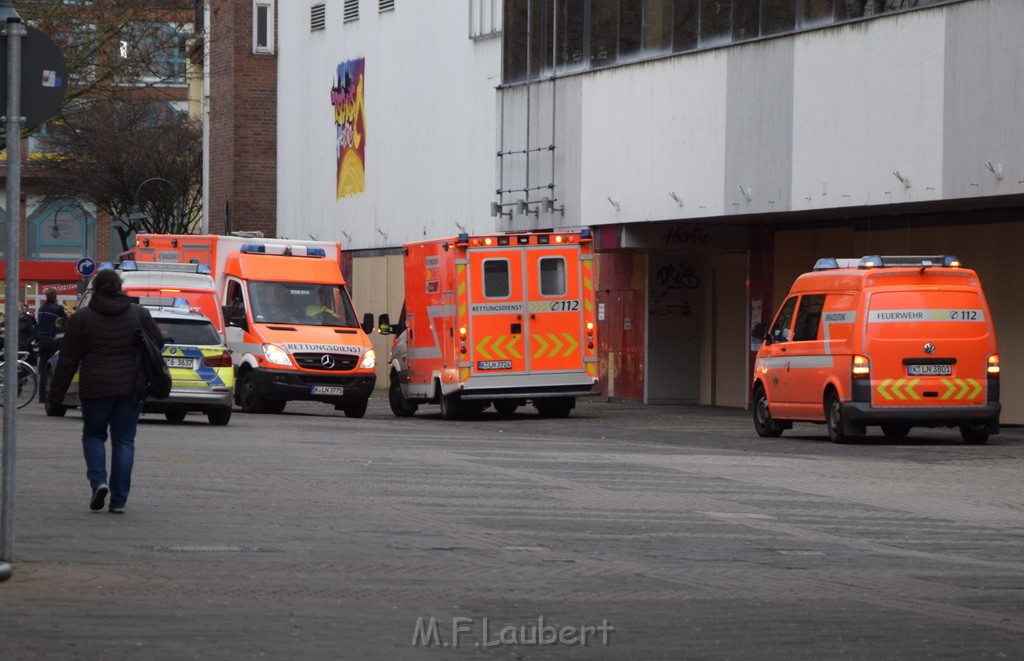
349, 12
153, 53
542, 37
59, 230
498, 282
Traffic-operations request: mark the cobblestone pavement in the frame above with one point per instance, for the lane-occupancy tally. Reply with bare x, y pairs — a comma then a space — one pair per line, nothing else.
648, 532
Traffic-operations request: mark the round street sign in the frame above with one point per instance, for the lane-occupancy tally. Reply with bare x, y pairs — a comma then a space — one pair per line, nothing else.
44, 77
85, 267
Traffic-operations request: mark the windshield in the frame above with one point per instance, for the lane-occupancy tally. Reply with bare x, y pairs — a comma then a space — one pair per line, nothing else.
304, 303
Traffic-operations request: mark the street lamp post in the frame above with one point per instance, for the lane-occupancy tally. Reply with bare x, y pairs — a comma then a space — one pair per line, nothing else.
138, 214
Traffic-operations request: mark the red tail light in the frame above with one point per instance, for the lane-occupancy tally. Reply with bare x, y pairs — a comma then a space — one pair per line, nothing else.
223, 360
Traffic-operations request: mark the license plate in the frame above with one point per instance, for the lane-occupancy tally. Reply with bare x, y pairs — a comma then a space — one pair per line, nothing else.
328, 390
929, 370
187, 363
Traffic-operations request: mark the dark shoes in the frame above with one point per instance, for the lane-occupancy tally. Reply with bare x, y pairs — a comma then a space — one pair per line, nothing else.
99, 496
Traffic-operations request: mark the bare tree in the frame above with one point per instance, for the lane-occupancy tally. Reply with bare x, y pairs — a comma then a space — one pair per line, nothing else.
138, 160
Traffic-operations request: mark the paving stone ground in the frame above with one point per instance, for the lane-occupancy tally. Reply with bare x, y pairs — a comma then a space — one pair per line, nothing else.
649, 531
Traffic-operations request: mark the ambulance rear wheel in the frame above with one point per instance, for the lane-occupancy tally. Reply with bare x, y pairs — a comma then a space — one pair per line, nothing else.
834, 419
763, 423
505, 407
449, 407
356, 409
248, 396
555, 407
895, 432
974, 434
400, 406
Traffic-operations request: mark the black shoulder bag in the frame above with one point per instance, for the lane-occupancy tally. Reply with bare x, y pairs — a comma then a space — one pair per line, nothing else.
158, 375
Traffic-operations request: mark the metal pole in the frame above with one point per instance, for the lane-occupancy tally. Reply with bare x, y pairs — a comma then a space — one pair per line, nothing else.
14, 32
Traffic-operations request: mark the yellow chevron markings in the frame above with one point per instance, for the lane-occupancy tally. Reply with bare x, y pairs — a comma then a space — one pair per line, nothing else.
902, 389
553, 345
510, 346
498, 346
950, 387
977, 388
481, 347
539, 306
573, 344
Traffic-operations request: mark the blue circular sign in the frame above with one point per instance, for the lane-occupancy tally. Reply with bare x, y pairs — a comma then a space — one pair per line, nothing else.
85, 267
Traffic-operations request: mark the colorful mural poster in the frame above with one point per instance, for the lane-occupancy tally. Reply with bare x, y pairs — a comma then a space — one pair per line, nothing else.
350, 123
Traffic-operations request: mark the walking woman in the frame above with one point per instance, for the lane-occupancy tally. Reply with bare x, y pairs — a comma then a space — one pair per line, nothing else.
100, 342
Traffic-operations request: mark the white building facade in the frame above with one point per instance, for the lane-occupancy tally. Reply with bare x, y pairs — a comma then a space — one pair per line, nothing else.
714, 166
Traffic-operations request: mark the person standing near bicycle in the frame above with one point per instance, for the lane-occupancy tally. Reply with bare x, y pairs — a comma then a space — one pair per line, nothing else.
51, 320
27, 333
100, 344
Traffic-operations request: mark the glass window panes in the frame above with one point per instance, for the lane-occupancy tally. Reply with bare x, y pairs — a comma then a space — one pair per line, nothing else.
685, 26
777, 16
657, 26
604, 33
496, 278
552, 276
808, 317
631, 14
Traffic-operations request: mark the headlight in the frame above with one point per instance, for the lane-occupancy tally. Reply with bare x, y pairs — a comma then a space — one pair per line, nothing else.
276, 354
369, 360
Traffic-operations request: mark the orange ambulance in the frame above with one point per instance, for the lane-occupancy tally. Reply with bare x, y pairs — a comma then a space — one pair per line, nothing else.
895, 342
495, 320
289, 321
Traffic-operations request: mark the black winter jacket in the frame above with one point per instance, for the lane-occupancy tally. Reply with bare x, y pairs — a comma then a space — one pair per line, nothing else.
100, 343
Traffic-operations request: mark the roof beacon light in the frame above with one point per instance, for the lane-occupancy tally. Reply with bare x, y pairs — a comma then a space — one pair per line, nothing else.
826, 264
870, 262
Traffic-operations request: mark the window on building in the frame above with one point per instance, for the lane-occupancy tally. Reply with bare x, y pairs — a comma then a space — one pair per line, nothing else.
263, 26
545, 37
484, 18
153, 53
496, 278
60, 229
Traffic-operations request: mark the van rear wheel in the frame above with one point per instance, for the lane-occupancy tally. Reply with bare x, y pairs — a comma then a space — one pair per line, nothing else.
763, 423
974, 434
834, 419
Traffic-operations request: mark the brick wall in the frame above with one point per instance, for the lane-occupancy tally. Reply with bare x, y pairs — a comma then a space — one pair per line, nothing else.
243, 123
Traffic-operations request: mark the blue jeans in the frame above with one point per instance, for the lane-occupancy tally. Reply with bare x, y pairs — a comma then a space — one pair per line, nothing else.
121, 415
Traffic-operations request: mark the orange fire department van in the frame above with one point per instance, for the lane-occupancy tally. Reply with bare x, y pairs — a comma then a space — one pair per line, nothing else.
896, 342
289, 321
499, 320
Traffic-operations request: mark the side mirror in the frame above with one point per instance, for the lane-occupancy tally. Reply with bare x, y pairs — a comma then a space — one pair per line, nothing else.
760, 332
368, 323
384, 324
235, 320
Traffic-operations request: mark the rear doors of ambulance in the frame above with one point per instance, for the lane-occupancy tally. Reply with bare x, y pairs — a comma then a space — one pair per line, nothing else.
525, 310
928, 347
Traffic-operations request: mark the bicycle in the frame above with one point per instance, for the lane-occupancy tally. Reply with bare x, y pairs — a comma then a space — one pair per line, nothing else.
28, 381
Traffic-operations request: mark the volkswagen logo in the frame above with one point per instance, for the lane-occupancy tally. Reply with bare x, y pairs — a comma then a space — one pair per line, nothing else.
327, 360
929, 348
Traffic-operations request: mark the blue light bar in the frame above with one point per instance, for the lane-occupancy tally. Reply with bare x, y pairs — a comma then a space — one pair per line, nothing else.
585, 233
826, 264
316, 252
106, 265
463, 237
203, 268
254, 247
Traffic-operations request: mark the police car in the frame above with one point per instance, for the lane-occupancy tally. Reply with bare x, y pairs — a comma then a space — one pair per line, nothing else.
202, 376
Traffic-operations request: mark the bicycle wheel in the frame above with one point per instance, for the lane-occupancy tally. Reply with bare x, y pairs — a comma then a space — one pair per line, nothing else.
28, 384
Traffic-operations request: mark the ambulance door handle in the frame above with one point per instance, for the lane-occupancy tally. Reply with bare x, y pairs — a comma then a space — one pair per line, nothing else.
533, 315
